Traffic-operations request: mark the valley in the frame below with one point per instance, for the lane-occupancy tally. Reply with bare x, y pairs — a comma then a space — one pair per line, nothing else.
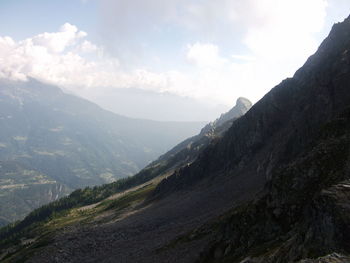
52, 143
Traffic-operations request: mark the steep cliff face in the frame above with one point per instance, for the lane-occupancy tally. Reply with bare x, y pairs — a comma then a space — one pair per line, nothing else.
224, 122
303, 211
187, 151
285, 121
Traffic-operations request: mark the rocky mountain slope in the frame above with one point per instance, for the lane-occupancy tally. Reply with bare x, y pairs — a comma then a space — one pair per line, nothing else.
180, 156
52, 143
274, 188
187, 151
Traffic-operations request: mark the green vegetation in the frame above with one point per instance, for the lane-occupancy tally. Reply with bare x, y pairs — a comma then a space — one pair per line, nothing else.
128, 199
37, 229
23, 189
78, 198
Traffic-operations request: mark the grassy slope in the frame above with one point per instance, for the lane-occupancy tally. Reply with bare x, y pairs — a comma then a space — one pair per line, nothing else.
37, 235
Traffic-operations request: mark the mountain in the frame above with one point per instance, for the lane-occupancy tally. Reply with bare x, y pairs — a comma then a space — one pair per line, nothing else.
178, 157
52, 143
187, 151
275, 187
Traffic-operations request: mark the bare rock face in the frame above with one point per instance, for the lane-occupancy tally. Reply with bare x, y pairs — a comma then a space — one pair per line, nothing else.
294, 145
188, 150
241, 107
303, 211
332, 258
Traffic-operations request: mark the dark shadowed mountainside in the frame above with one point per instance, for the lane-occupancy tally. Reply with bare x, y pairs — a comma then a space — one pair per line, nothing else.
187, 151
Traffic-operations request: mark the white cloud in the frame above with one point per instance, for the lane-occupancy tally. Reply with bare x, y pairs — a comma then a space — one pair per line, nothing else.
204, 55
59, 41
56, 58
274, 38
285, 28
243, 57
88, 47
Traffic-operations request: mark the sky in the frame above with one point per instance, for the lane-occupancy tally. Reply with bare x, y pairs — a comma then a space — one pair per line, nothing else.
202, 53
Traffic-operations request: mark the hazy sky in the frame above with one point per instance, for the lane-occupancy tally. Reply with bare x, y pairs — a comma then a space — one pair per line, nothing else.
210, 51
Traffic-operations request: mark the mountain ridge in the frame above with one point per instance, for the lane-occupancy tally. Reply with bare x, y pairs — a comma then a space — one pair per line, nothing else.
176, 158
56, 142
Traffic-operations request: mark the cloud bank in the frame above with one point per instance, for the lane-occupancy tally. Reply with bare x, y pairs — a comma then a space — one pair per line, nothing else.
226, 50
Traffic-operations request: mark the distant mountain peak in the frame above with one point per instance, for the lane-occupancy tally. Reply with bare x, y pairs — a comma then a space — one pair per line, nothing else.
242, 102
241, 107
